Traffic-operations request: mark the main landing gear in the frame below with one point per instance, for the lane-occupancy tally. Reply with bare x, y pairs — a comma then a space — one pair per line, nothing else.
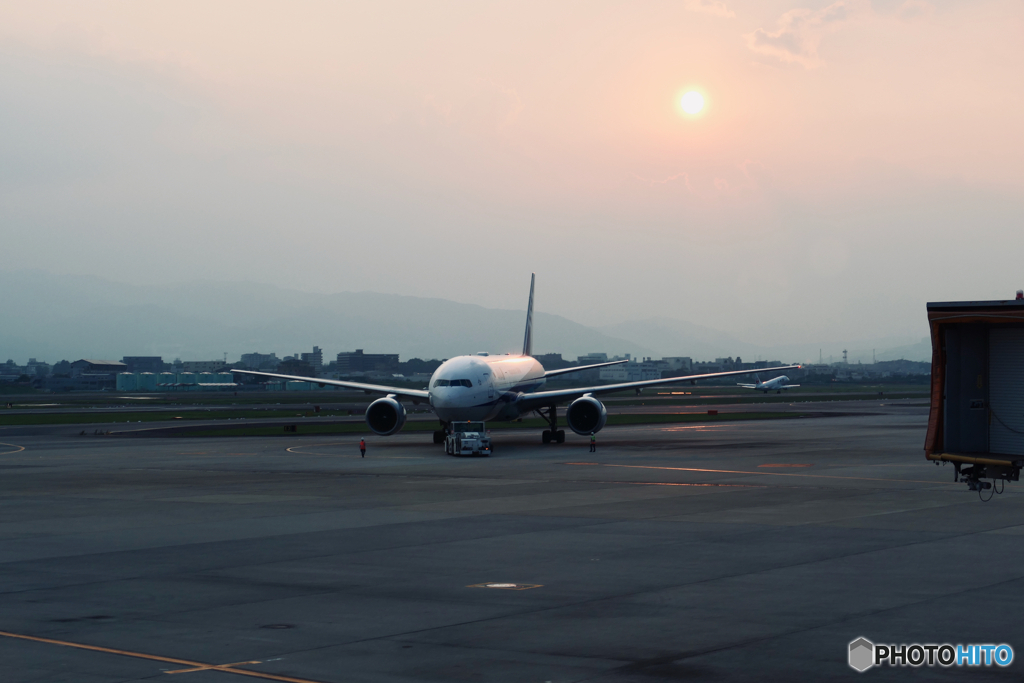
553, 435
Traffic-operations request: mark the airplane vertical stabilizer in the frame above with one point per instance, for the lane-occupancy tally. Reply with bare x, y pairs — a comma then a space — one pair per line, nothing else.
528, 339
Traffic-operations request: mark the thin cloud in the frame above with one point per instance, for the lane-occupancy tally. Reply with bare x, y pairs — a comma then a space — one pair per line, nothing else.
800, 32
912, 9
714, 7
665, 181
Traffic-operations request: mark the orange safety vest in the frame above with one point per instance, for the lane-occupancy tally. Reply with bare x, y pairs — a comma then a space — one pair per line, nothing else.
362, 444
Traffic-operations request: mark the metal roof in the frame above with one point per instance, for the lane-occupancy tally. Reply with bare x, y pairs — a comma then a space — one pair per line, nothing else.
1011, 304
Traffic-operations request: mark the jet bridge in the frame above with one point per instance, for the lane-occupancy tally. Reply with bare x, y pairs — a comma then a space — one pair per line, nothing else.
977, 393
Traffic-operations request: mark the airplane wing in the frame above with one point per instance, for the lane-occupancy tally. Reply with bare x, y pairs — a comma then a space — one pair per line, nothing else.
414, 394
789, 386
747, 386
567, 371
543, 399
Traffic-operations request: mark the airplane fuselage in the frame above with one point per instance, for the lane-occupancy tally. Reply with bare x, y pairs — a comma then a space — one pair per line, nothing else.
483, 387
773, 384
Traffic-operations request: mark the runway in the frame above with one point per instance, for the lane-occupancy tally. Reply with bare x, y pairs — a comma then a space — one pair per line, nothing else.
727, 551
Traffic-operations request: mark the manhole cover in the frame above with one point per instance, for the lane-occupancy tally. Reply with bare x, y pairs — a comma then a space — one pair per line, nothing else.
507, 586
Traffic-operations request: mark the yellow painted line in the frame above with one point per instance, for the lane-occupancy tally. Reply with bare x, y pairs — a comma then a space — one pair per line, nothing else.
211, 667
765, 474
193, 666
671, 483
17, 448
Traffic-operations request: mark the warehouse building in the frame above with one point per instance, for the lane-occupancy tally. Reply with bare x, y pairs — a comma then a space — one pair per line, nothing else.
96, 367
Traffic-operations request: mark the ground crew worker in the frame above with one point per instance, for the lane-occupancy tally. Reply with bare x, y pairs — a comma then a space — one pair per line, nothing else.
593, 442
362, 448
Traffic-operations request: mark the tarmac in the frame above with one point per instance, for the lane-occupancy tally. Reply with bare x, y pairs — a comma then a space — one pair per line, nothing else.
723, 551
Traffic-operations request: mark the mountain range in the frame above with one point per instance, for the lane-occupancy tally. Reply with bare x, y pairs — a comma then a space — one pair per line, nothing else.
53, 317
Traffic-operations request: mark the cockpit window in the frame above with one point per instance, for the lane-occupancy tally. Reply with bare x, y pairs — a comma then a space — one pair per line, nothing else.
452, 383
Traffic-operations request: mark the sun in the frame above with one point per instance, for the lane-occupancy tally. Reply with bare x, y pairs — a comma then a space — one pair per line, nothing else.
692, 102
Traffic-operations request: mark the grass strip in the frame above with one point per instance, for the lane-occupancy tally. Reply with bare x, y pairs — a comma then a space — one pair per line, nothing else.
705, 400
429, 426
161, 416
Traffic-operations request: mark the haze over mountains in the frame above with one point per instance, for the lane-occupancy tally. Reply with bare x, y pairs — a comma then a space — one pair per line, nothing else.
705, 343
53, 317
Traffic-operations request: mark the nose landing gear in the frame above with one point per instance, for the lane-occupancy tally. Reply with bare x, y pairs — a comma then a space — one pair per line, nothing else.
441, 434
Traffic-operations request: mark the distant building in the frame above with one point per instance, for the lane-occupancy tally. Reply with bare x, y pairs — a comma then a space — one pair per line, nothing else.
37, 368
589, 375
202, 365
357, 361
702, 368
678, 363
260, 360
553, 361
153, 364
631, 372
97, 367
293, 366
316, 358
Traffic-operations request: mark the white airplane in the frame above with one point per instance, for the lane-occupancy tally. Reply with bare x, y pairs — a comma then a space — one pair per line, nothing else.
501, 387
776, 384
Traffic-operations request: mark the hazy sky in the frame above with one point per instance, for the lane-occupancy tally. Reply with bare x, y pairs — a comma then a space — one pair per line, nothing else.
853, 161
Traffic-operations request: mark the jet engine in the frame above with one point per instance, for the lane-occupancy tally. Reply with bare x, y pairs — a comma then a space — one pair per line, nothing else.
385, 416
586, 415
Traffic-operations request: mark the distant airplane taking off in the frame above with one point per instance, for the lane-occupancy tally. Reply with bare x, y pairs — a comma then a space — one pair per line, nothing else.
776, 384
485, 387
